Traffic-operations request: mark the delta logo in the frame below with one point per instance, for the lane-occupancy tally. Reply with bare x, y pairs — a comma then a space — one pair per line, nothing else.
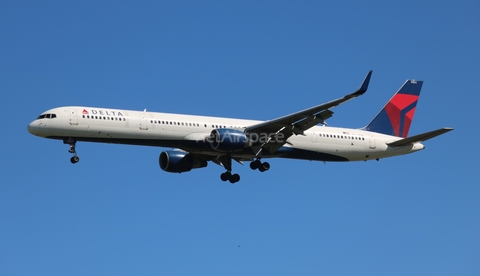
102, 112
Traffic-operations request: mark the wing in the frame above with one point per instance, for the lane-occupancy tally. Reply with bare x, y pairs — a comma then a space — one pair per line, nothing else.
296, 123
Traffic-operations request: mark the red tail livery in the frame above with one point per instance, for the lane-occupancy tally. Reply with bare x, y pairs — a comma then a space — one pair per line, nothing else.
396, 116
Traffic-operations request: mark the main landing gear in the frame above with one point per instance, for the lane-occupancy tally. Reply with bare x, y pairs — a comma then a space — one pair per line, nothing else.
71, 142
234, 178
227, 163
257, 164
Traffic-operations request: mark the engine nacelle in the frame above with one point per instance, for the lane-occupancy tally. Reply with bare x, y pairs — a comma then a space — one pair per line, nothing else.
179, 161
228, 140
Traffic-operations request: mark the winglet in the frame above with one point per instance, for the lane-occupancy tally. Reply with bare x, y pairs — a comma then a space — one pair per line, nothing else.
363, 88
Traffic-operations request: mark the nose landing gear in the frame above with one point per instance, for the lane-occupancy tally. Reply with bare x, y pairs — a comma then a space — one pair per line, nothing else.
71, 142
74, 159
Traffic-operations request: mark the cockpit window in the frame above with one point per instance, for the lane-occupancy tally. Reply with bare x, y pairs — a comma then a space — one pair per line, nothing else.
47, 116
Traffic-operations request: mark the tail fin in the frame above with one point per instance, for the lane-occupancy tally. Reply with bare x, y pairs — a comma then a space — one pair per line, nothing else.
397, 115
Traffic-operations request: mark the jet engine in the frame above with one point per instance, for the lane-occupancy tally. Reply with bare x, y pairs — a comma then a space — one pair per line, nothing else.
228, 140
179, 161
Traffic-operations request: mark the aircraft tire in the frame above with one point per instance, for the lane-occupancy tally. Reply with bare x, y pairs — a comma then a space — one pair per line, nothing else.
234, 178
225, 176
255, 164
74, 159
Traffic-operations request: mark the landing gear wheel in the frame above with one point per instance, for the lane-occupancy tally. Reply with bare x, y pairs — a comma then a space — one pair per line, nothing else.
265, 166
235, 178
225, 176
257, 164
74, 159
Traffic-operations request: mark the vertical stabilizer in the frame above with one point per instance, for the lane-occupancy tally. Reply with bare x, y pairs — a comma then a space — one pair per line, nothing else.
396, 116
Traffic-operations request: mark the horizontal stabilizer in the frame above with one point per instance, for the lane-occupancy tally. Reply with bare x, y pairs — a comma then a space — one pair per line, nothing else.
420, 137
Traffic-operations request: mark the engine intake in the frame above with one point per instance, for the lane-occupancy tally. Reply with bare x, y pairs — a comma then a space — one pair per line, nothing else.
228, 140
179, 161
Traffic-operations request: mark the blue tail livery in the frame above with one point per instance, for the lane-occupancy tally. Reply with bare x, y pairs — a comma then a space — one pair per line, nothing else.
396, 116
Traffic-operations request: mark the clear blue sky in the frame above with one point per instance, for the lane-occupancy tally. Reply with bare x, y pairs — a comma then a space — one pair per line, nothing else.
117, 213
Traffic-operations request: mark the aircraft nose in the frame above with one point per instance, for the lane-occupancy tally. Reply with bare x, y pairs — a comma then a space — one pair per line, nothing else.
33, 128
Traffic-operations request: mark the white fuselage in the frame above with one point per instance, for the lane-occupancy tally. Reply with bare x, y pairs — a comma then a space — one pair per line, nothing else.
189, 133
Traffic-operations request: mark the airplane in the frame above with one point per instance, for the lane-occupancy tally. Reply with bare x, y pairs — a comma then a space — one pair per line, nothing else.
196, 140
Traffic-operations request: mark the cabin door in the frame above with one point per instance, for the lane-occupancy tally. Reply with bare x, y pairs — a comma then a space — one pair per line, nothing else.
143, 121
73, 117
372, 142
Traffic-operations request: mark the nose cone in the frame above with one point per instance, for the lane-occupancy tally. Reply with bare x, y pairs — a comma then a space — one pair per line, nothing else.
33, 128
